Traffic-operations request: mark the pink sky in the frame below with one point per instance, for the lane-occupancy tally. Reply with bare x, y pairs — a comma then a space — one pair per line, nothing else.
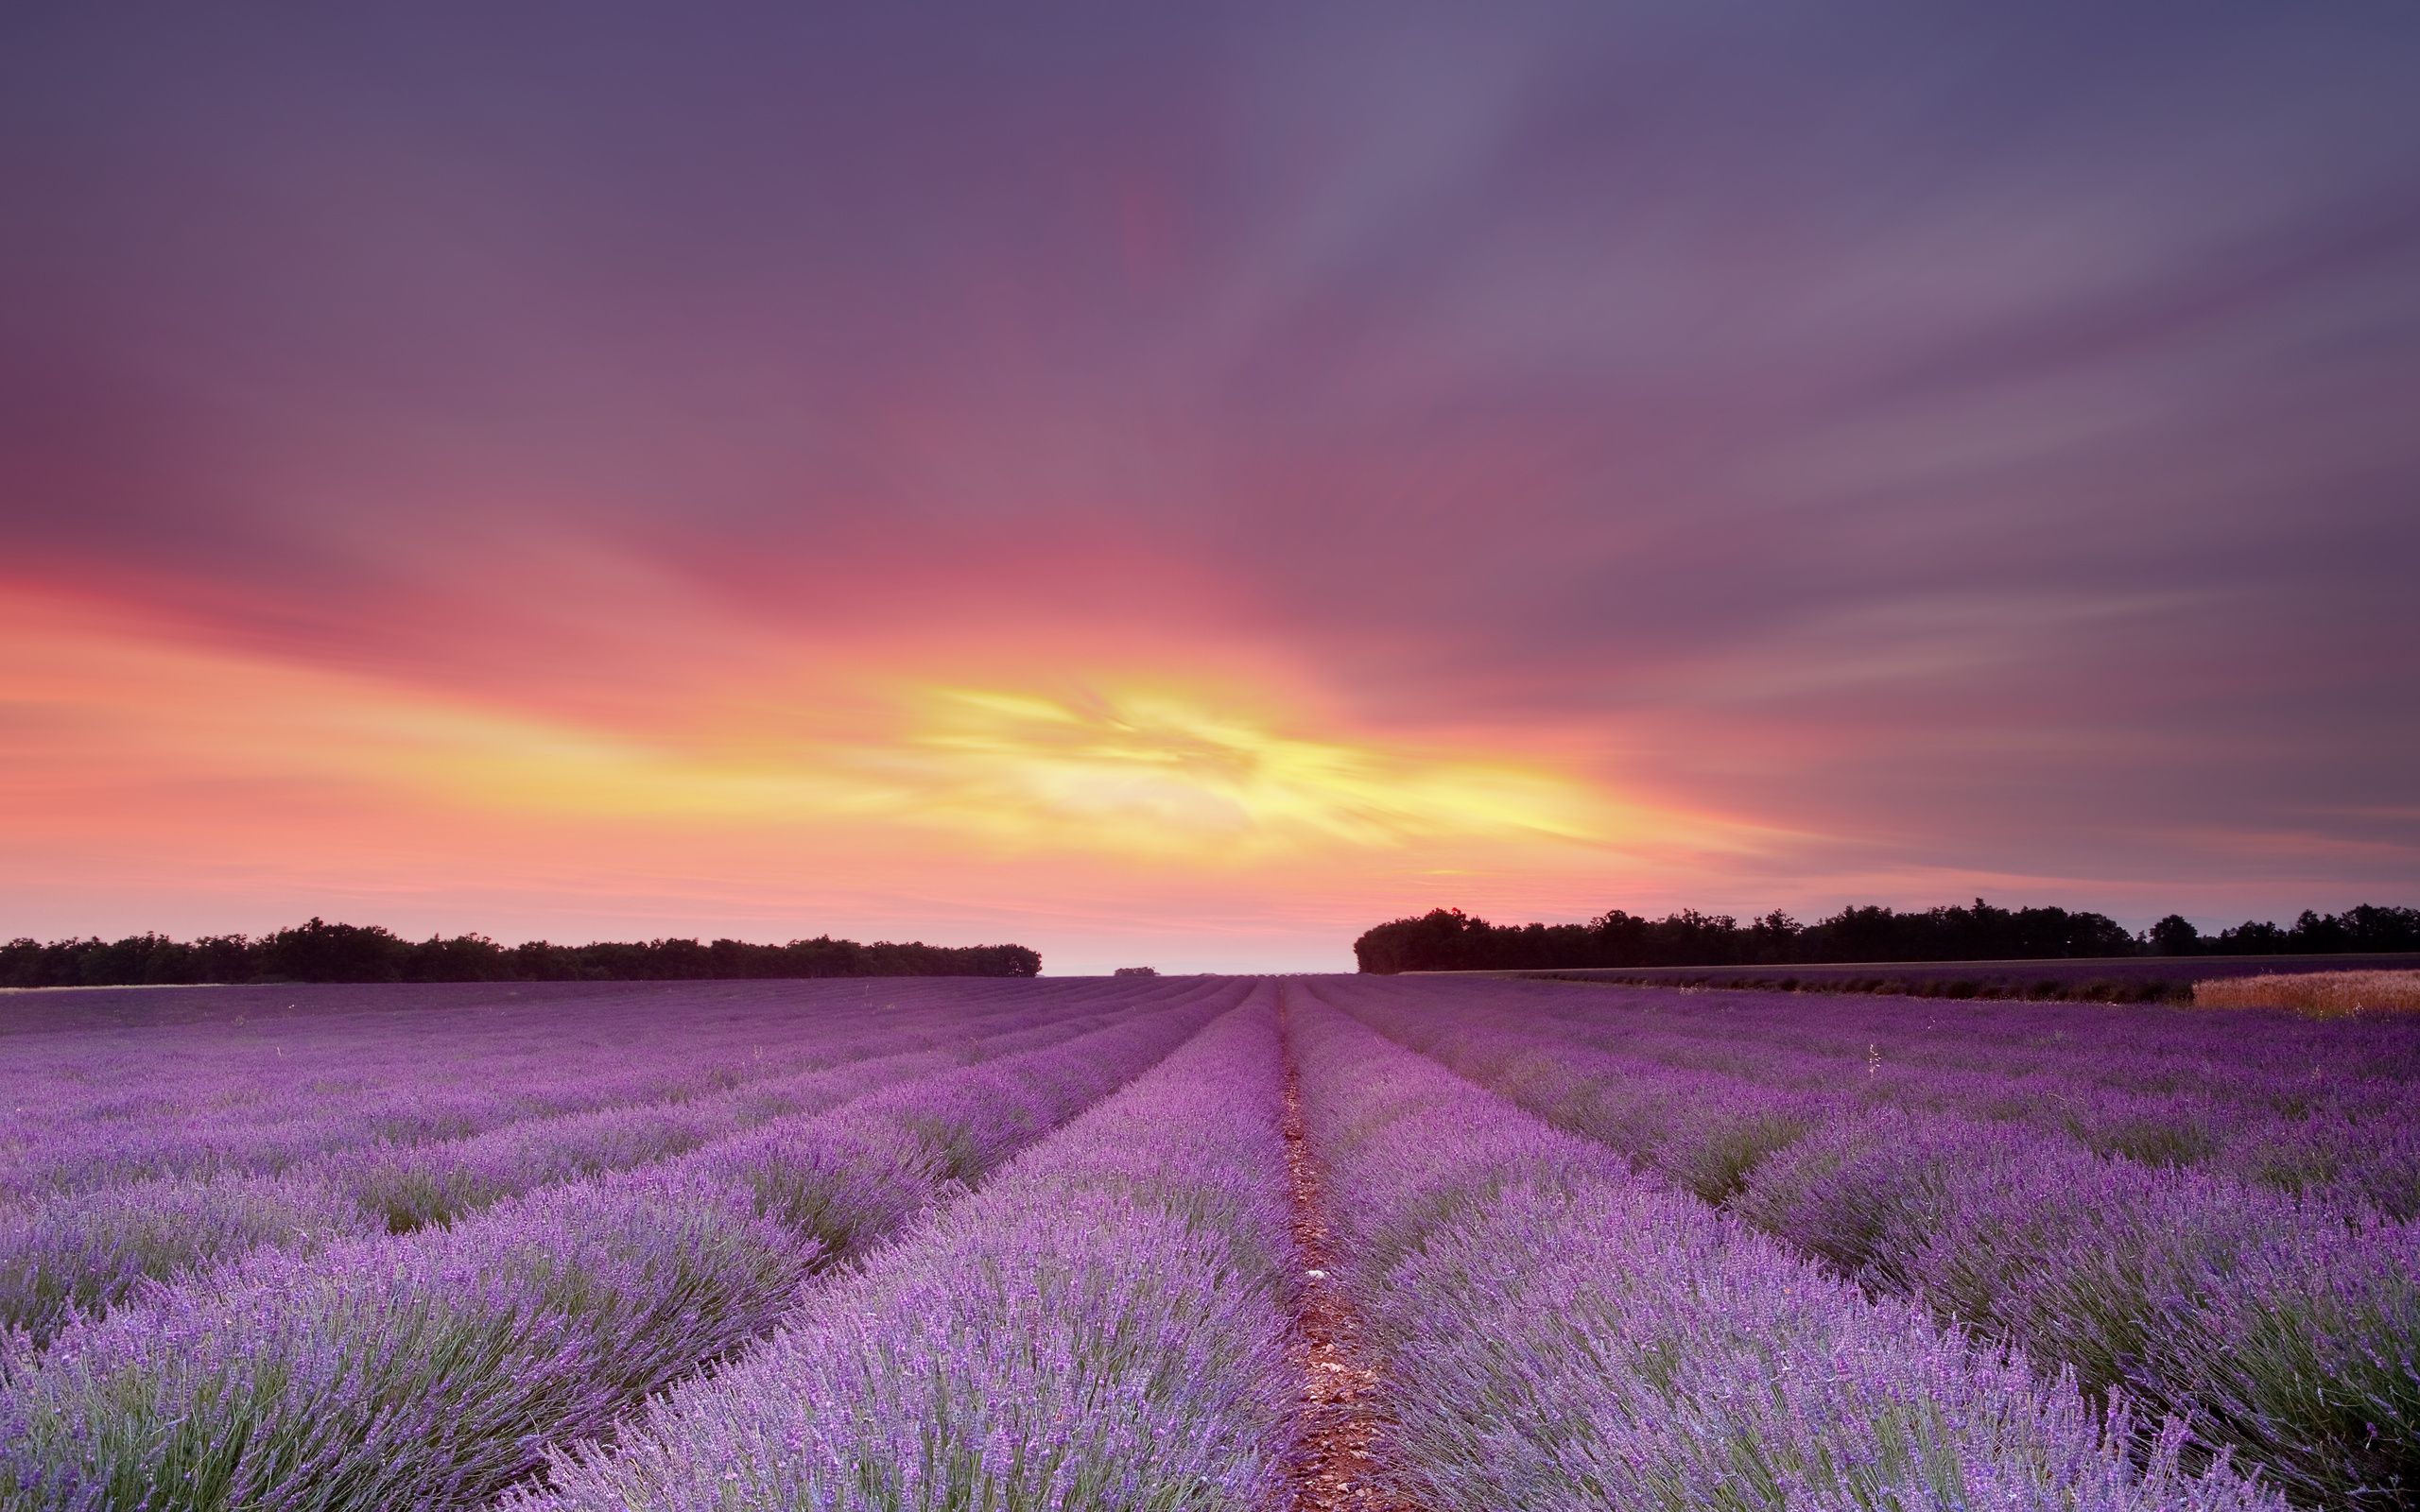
1178, 490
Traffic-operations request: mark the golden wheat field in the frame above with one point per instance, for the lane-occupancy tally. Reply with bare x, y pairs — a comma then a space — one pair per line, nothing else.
2321, 994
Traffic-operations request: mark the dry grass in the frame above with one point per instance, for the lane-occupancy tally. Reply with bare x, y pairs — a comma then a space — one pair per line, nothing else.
2320, 995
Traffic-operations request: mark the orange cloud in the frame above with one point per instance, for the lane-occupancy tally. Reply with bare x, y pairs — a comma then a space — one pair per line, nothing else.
1113, 771
1123, 804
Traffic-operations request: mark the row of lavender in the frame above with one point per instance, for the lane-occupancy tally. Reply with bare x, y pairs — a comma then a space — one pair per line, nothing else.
2267, 1097
433, 1368
1104, 1325
2124, 978
2288, 1104
2272, 1060
387, 1045
1104, 1329
82, 1250
2284, 1326
1563, 1335
89, 1110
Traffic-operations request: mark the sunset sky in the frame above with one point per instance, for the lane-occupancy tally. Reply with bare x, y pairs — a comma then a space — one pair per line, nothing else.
1178, 485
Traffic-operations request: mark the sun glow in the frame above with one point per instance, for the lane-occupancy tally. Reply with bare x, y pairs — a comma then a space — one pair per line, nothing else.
1115, 769
1214, 799
1151, 769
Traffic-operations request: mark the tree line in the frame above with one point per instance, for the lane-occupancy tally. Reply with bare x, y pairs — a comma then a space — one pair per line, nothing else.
322, 951
1447, 939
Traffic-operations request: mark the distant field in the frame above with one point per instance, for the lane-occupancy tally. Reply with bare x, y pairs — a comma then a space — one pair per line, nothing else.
2123, 978
2321, 994
42, 1009
1218, 1245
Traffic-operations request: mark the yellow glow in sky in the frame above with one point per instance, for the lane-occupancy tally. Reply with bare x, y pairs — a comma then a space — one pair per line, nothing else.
147, 765
1147, 770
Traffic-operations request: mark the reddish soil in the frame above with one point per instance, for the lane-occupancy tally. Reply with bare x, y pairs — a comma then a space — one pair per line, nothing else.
1335, 1464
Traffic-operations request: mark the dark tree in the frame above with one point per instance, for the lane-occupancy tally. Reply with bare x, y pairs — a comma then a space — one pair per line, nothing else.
317, 950
322, 951
1447, 939
2175, 935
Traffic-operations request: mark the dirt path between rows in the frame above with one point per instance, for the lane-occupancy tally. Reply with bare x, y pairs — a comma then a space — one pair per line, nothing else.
1336, 1466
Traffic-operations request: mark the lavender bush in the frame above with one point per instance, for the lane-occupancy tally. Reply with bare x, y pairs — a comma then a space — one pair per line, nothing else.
2275, 1100
398, 1374
86, 1249
1103, 1328
2286, 1329
430, 1369
839, 1244
1565, 1337
79, 1110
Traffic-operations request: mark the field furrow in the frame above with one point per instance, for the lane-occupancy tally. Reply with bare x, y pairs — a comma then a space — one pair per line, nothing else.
1341, 1461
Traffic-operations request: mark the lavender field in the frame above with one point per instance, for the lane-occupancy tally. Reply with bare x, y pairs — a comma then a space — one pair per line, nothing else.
2123, 979
1238, 1244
